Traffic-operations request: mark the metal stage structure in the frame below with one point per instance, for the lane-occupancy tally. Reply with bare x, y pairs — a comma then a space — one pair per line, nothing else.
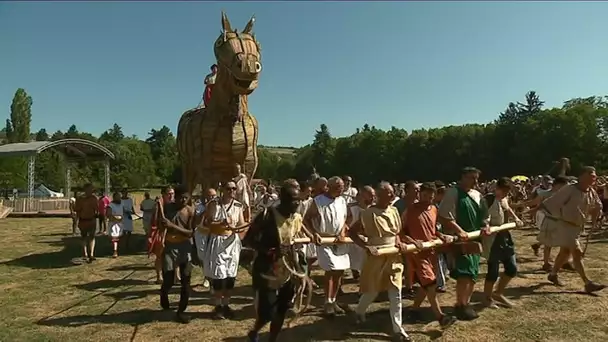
71, 148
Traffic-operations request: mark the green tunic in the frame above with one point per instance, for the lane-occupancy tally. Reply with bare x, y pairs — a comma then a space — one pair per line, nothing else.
470, 217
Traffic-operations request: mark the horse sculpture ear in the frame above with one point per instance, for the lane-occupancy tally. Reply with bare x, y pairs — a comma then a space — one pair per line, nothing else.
226, 23
249, 25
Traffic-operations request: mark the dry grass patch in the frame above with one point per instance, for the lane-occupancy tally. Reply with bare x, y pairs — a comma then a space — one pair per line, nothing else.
46, 295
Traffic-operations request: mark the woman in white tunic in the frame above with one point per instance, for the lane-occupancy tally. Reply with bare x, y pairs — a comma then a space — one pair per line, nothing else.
114, 213
327, 218
224, 219
127, 217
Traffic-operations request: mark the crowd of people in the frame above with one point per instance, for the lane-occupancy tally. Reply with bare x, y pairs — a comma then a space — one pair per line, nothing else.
348, 229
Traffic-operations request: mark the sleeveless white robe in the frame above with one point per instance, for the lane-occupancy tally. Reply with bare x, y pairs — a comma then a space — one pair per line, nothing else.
355, 252
117, 229
330, 222
221, 253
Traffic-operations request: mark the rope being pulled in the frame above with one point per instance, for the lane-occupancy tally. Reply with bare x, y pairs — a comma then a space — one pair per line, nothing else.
410, 247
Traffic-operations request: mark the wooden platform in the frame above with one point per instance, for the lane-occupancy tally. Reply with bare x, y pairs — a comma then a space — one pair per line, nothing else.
5, 211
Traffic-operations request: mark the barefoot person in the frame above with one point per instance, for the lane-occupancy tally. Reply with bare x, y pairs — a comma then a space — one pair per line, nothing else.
461, 211
420, 225
85, 210
326, 217
558, 183
381, 224
114, 213
570, 207
178, 222
224, 218
499, 248
271, 230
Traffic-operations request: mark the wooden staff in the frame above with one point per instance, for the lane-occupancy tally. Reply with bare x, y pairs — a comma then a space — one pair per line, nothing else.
410, 247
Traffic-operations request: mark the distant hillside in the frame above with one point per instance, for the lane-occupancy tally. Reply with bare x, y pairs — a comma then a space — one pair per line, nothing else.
279, 149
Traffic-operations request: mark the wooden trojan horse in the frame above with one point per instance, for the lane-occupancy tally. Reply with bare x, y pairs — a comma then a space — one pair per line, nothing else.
212, 140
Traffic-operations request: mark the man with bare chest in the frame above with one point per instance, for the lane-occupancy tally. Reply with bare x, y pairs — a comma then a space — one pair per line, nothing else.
178, 220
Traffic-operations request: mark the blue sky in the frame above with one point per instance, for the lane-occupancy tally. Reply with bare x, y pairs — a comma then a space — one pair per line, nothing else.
403, 64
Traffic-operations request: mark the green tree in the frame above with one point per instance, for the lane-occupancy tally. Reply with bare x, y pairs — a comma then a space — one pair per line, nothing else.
21, 117
42, 135
162, 146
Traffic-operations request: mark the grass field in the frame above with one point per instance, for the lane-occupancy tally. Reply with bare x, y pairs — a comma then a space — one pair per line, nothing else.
46, 296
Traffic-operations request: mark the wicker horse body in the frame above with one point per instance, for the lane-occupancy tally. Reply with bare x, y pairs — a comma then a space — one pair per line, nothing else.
213, 139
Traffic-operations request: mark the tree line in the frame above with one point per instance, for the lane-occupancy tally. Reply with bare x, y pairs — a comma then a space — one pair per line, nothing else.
526, 138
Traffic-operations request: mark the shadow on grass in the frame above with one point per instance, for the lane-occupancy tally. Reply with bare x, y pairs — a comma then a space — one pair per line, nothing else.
377, 328
70, 255
135, 317
132, 267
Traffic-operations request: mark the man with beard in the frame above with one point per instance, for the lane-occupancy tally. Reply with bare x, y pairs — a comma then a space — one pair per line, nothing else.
326, 217
420, 225
381, 224
270, 236
461, 212
569, 208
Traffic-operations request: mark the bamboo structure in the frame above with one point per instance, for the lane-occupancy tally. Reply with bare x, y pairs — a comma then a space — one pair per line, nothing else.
410, 247
213, 139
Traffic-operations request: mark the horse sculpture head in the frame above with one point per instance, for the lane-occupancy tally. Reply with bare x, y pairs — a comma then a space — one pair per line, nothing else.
238, 57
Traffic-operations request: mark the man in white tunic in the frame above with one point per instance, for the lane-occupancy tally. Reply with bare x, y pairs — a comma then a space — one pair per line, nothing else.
224, 219
326, 217
244, 193
350, 192
365, 199
202, 232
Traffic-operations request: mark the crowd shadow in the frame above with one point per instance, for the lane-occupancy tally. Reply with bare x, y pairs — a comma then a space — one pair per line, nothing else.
131, 267
377, 327
134, 318
70, 255
110, 284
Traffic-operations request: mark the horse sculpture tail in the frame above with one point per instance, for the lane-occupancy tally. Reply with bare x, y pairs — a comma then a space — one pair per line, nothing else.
186, 148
